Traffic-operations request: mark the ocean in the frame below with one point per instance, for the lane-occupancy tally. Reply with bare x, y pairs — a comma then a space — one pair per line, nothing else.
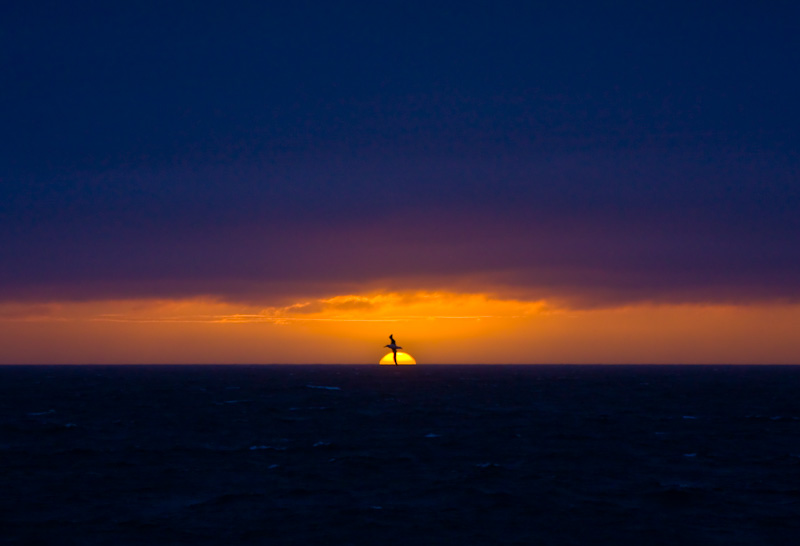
364, 455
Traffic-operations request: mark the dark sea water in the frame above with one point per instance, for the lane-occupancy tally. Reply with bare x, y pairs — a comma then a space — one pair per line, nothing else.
409, 455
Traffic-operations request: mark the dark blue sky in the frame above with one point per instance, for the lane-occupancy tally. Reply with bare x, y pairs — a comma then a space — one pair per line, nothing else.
600, 153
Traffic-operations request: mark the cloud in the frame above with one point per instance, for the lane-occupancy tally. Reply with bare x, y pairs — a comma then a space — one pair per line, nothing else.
377, 307
406, 306
36, 312
592, 227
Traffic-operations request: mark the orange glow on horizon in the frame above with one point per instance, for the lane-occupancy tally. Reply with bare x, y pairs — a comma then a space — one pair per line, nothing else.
442, 327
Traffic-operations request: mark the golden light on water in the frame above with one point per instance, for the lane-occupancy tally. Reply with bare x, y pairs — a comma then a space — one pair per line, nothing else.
403, 359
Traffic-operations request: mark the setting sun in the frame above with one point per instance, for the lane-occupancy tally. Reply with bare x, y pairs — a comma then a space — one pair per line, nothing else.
402, 359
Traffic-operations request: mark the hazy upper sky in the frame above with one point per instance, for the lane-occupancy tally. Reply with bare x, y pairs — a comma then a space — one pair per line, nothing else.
262, 154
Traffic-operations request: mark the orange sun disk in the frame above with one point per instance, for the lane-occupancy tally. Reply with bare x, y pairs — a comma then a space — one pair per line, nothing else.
403, 359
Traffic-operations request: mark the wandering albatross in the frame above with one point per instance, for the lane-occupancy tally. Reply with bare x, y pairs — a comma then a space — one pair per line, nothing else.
393, 346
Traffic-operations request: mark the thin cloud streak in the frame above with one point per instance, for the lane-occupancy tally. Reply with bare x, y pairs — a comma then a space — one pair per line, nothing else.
386, 307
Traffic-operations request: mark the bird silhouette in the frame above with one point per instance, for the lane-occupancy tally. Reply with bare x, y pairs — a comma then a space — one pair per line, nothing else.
393, 346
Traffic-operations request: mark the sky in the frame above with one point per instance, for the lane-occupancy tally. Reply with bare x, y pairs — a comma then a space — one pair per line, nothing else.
491, 182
